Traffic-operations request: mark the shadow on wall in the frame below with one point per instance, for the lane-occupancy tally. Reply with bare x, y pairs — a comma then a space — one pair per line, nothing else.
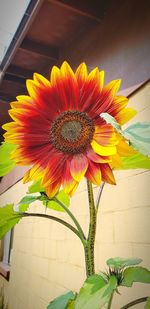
3, 302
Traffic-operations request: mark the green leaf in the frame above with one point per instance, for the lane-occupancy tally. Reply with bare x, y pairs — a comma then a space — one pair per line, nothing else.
53, 205
21, 207
5, 151
133, 162
103, 275
119, 263
6, 163
5, 169
71, 304
95, 292
111, 120
62, 197
142, 137
28, 199
147, 305
139, 136
135, 274
36, 187
25, 202
61, 301
8, 218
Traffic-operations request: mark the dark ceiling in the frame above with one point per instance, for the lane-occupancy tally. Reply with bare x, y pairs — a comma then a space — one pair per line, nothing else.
57, 24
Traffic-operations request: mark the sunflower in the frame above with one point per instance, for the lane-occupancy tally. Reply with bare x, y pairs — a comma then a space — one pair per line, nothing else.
59, 131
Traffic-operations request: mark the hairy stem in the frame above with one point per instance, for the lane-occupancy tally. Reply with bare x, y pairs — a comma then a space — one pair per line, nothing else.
69, 226
134, 302
89, 248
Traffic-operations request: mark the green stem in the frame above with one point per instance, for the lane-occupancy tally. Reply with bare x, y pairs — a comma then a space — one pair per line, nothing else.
99, 196
134, 302
73, 218
110, 301
72, 228
89, 248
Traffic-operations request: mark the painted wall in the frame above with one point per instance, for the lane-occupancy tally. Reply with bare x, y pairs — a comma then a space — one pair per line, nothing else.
47, 259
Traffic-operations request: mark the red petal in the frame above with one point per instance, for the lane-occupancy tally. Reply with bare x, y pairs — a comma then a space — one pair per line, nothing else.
65, 87
96, 158
52, 189
28, 139
58, 89
78, 167
118, 103
28, 117
54, 168
90, 92
70, 86
70, 185
41, 80
107, 174
48, 102
94, 173
107, 96
105, 135
42, 154
81, 74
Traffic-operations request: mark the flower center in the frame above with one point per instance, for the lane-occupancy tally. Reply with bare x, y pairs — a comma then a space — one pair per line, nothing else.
72, 132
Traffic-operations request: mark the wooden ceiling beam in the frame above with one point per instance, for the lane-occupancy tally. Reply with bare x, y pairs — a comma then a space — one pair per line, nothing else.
17, 74
10, 89
5, 99
43, 50
14, 78
92, 9
15, 70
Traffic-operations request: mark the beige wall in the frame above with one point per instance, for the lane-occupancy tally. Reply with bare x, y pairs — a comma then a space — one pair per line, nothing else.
47, 259
4, 290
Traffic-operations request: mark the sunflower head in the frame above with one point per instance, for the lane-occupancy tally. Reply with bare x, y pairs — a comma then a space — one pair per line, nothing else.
72, 131
59, 131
